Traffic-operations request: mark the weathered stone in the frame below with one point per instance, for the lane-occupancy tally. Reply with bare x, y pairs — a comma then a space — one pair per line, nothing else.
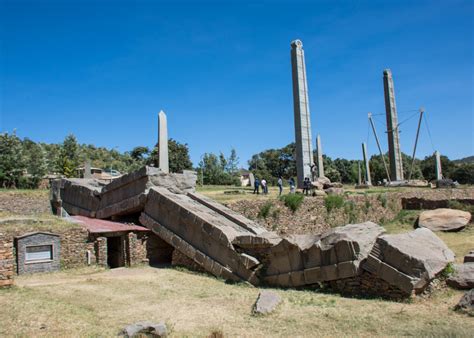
463, 276
333, 185
163, 160
410, 260
444, 219
145, 329
195, 225
469, 258
266, 302
466, 303
304, 151
334, 191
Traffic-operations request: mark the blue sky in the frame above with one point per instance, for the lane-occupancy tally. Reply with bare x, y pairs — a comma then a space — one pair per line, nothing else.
221, 71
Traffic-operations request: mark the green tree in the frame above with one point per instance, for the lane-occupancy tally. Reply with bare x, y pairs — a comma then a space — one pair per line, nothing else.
35, 162
178, 156
428, 167
68, 158
464, 173
12, 162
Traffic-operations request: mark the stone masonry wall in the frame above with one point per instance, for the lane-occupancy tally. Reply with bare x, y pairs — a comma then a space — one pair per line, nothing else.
366, 284
6, 261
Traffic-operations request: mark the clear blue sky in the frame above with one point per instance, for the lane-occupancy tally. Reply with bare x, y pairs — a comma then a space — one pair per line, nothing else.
221, 71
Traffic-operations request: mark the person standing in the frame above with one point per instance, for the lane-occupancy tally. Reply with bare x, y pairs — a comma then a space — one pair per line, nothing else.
264, 186
292, 185
256, 186
280, 185
306, 185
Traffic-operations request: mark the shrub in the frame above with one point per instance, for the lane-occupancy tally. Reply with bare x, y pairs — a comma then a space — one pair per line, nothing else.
349, 210
292, 201
382, 198
332, 202
276, 213
265, 210
448, 270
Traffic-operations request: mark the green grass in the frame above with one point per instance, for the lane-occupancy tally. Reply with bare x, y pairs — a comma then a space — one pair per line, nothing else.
264, 211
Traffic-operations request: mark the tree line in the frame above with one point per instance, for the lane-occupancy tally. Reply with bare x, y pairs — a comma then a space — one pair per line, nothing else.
24, 163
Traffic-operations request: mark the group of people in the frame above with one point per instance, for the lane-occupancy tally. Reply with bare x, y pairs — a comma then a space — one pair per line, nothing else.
264, 184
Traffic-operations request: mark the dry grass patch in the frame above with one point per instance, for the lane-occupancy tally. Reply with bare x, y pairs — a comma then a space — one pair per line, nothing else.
100, 302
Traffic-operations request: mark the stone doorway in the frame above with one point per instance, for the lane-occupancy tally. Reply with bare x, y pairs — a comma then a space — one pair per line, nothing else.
115, 252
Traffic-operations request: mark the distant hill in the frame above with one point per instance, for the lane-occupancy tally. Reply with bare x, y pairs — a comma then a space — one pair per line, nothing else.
469, 159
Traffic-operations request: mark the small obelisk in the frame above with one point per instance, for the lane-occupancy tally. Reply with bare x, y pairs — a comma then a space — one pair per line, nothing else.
368, 179
439, 174
304, 149
163, 160
394, 152
319, 153
359, 174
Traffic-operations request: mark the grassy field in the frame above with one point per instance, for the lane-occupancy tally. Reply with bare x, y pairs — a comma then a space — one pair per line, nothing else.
98, 302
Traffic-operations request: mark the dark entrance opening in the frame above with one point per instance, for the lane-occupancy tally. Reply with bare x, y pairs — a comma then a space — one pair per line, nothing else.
115, 256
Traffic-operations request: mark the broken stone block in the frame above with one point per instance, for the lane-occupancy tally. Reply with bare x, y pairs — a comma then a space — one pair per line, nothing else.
463, 276
410, 260
444, 219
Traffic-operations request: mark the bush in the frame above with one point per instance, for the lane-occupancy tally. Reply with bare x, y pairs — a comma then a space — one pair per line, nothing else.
382, 198
349, 210
332, 202
265, 210
292, 201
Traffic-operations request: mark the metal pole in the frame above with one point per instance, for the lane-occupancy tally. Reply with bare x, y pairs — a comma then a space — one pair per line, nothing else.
416, 142
378, 145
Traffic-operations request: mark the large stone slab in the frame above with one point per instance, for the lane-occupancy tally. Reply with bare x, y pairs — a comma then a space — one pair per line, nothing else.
444, 219
308, 259
228, 213
201, 228
463, 277
78, 196
410, 260
127, 194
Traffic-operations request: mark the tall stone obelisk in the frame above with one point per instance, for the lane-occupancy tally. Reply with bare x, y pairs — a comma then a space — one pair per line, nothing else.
304, 150
368, 179
163, 160
319, 156
394, 152
439, 173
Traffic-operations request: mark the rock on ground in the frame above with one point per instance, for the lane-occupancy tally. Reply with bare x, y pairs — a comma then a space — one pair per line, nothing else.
463, 277
266, 302
145, 329
466, 303
469, 258
444, 219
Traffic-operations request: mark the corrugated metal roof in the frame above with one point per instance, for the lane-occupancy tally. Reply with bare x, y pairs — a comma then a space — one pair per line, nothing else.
99, 226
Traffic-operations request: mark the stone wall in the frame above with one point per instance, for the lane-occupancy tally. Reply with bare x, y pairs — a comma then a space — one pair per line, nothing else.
7, 267
75, 244
366, 284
